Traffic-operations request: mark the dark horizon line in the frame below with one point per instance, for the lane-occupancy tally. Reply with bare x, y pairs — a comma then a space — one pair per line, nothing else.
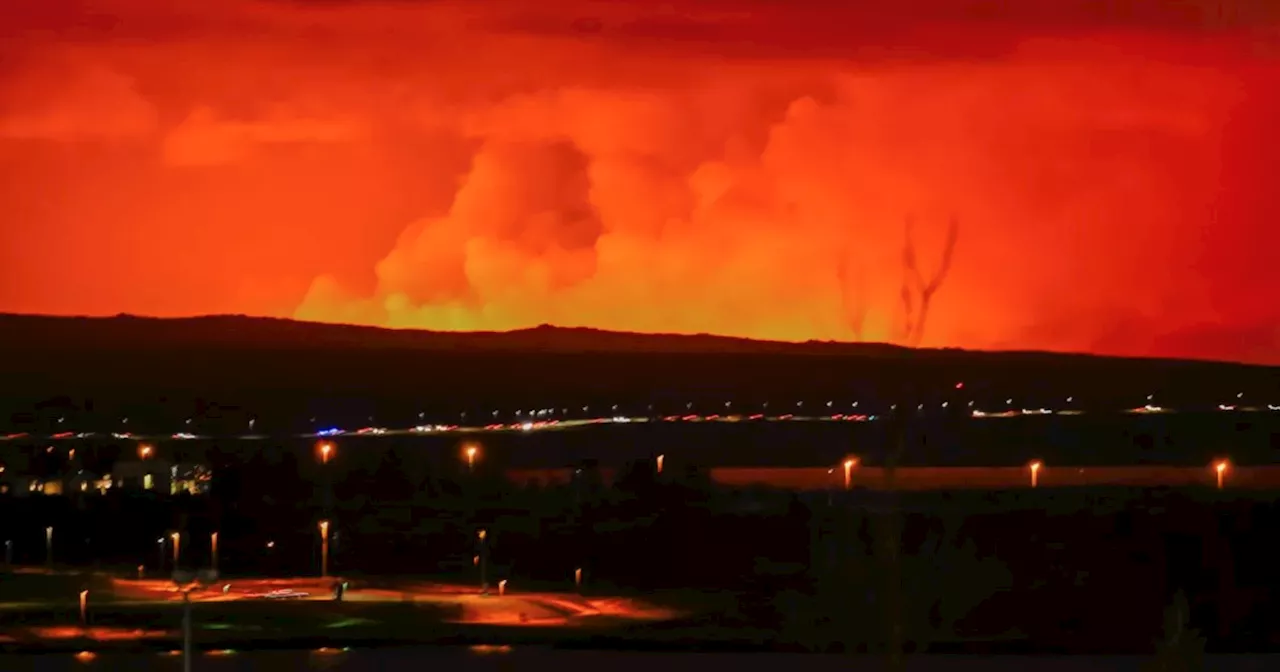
749, 345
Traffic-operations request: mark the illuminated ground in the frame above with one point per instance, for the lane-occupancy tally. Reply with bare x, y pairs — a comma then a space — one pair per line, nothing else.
124, 611
510, 608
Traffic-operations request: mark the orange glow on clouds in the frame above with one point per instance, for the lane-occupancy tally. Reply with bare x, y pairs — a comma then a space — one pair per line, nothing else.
734, 168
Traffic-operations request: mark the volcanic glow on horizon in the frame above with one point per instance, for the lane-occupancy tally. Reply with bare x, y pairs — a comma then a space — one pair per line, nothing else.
741, 168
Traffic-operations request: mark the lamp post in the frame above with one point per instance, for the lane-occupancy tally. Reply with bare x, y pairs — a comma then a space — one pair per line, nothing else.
84, 608
660, 459
324, 549
160, 555
1035, 473
177, 549
849, 464
484, 562
48, 546
1221, 469
325, 451
471, 451
213, 549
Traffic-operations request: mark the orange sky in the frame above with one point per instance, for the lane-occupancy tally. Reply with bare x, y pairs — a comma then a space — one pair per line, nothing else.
742, 168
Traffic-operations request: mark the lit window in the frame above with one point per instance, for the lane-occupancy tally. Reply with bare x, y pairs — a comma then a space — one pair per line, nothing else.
147, 482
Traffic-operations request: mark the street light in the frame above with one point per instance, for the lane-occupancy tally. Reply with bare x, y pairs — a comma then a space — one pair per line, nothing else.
144, 451
160, 554
849, 464
324, 549
484, 562
660, 459
470, 450
1035, 472
1221, 468
84, 608
326, 450
213, 549
48, 546
177, 548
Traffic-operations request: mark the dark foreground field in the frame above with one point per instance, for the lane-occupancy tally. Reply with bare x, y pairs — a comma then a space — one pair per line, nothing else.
1078, 570
533, 658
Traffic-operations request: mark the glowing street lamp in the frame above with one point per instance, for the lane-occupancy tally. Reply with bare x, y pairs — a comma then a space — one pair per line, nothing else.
144, 451
659, 461
577, 578
176, 537
470, 451
849, 464
1035, 472
1221, 468
324, 549
84, 608
502, 587
213, 549
48, 545
326, 450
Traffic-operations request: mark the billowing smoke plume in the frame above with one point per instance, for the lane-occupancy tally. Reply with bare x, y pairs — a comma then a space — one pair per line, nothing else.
619, 166
729, 205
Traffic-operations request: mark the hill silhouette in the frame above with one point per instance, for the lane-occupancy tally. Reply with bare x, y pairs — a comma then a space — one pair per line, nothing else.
296, 367
236, 331
130, 332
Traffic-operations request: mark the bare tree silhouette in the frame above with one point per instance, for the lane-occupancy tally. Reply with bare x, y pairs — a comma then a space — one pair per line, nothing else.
917, 293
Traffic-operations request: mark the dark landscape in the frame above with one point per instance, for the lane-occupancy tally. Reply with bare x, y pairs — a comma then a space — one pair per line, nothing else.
284, 373
659, 509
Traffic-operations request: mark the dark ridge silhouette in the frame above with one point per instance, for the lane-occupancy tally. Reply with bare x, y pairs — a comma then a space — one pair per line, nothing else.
130, 332
276, 368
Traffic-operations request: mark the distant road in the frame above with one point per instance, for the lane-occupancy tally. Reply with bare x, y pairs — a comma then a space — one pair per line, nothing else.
961, 478
544, 423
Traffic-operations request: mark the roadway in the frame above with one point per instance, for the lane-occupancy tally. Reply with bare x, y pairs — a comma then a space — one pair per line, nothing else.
543, 421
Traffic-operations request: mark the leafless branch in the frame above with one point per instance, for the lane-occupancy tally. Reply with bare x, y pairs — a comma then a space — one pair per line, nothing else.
917, 293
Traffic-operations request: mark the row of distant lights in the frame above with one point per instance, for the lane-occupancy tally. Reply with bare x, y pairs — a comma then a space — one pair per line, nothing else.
90, 656
537, 415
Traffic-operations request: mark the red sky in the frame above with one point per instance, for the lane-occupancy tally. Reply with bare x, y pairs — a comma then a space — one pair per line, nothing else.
742, 168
